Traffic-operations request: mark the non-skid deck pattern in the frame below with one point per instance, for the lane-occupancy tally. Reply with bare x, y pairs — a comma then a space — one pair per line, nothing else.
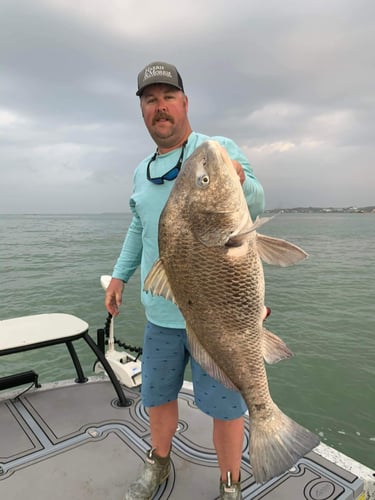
72, 442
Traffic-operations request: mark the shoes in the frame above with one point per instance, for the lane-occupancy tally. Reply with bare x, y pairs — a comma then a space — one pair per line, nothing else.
155, 472
230, 490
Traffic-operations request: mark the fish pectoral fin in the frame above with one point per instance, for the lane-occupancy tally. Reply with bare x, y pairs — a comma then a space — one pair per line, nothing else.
215, 229
260, 221
203, 358
279, 252
238, 236
157, 282
274, 349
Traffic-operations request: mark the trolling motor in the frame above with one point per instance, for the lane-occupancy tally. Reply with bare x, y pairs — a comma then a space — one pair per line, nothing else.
126, 367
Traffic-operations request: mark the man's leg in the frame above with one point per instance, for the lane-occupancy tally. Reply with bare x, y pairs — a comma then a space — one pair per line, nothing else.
227, 408
228, 436
163, 364
163, 425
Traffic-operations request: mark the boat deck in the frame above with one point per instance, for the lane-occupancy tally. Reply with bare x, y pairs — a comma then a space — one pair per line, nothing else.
73, 441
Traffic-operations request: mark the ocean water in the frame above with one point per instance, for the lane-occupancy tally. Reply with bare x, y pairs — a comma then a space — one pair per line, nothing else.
323, 308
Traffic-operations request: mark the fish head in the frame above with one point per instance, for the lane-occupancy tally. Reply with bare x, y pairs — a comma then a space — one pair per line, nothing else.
209, 194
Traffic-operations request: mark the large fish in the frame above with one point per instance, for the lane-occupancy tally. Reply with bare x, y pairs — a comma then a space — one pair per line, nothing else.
210, 266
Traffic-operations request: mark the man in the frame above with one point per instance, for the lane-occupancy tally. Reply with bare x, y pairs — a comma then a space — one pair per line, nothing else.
164, 107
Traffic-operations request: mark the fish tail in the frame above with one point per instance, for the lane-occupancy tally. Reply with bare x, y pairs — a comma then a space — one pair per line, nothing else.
276, 444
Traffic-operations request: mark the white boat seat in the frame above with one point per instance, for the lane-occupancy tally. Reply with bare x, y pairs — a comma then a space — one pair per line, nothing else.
41, 330
27, 332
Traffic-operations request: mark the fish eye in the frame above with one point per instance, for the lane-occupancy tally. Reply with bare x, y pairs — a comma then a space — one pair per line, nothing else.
203, 181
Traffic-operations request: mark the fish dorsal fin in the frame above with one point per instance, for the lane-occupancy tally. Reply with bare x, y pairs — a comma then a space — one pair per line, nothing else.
157, 282
274, 349
202, 357
279, 252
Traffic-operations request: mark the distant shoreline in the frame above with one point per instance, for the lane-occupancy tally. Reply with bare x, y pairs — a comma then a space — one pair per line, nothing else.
323, 210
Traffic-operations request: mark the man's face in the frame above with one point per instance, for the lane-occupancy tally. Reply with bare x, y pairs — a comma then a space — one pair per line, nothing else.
164, 110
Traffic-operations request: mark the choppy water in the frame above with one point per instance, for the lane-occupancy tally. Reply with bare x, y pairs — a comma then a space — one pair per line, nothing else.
323, 308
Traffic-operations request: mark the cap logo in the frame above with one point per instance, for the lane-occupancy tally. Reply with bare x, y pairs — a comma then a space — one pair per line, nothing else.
153, 71
159, 72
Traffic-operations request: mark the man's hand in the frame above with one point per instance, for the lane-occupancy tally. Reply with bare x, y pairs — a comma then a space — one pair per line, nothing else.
113, 296
238, 168
236, 165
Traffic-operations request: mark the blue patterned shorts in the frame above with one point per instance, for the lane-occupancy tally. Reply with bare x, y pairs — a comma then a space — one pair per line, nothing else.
164, 359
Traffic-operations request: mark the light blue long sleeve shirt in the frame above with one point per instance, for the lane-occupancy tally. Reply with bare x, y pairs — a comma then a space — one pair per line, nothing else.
147, 202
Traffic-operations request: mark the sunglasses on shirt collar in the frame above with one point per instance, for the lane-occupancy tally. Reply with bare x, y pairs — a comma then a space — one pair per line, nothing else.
171, 174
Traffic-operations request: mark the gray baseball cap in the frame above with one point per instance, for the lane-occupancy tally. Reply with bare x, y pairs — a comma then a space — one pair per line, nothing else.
159, 72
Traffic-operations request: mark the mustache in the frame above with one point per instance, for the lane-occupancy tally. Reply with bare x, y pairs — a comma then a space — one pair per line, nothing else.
160, 115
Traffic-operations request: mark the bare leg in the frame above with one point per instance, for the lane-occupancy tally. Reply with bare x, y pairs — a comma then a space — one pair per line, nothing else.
163, 425
228, 438
157, 467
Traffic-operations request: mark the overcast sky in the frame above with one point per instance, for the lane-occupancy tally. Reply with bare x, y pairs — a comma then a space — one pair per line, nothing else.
292, 82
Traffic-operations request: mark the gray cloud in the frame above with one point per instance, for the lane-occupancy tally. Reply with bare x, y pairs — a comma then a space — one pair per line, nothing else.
291, 83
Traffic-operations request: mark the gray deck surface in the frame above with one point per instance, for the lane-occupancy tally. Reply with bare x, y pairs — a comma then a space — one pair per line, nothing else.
73, 442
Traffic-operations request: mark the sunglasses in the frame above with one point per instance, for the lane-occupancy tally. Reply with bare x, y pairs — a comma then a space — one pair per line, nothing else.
171, 174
